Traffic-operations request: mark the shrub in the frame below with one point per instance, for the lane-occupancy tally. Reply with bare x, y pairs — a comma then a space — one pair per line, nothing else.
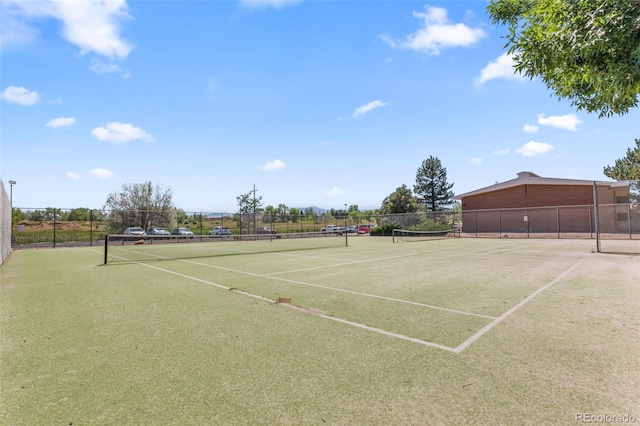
427, 224
385, 230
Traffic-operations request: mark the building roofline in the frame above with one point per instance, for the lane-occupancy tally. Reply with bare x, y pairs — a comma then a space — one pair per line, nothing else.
529, 178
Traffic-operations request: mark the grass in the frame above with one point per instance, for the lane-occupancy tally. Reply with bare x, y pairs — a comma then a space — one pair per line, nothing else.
128, 343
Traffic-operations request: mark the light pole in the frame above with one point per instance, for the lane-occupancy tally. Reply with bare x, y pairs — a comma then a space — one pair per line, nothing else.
11, 183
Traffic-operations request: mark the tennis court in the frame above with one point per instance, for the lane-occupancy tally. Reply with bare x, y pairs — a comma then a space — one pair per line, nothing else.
412, 291
311, 330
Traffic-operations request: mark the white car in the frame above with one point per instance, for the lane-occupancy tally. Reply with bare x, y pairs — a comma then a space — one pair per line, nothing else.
220, 230
134, 230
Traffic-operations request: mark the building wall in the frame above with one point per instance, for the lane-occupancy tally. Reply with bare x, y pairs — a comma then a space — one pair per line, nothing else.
539, 209
537, 196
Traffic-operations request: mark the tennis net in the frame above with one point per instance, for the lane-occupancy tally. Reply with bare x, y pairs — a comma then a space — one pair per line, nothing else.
128, 248
403, 235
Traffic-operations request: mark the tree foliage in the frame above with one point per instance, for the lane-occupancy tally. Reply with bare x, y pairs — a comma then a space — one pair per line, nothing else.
139, 204
628, 167
249, 203
586, 51
401, 200
432, 188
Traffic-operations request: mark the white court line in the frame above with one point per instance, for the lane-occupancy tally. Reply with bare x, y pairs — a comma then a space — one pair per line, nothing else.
357, 293
300, 309
523, 302
458, 349
353, 262
503, 250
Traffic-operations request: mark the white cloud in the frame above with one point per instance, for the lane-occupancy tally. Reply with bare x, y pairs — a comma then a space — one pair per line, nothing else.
532, 148
93, 26
110, 68
476, 160
261, 4
273, 166
566, 122
20, 96
501, 152
503, 67
530, 128
120, 133
14, 31
334, 192
72, 176
438, 33
60, 122
100, 173
368, 107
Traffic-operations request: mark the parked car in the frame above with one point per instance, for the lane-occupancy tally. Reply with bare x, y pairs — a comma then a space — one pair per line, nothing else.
266, 231
158, 231
182, 231
134, 230
330, 228
365, 228
220, 230
352, 229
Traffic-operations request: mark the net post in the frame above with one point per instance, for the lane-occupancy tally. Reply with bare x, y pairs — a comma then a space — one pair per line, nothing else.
596, 215
106, 244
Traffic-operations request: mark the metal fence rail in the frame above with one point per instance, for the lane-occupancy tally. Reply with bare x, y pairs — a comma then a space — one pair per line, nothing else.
59, 227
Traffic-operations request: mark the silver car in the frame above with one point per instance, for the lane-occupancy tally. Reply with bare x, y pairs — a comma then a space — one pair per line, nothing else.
182, 231
158, 231
220, 230
134, 230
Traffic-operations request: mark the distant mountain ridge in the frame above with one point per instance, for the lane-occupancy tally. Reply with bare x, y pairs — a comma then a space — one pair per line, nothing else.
317, 210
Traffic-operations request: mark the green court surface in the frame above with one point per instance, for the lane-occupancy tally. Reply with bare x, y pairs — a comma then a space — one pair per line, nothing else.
310, 331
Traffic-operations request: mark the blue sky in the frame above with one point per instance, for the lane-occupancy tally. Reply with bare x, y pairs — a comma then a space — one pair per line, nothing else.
316, 103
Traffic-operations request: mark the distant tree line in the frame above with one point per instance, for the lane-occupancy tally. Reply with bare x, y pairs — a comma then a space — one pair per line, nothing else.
147, 205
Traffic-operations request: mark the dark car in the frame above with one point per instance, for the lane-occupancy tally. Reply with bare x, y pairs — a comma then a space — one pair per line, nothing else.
265, 230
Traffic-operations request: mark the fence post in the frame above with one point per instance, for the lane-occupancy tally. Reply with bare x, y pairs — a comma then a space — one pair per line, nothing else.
476, 219
55, 225
91, 229
558, 220
596, 215
629, 219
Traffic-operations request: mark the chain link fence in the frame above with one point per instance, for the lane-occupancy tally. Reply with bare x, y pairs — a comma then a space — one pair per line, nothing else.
5, 224
606, 224
619, 220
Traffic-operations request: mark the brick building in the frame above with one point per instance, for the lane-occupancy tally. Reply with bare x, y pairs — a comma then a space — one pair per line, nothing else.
531, 203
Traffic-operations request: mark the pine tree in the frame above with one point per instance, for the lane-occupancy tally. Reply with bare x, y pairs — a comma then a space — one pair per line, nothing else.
432, 188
